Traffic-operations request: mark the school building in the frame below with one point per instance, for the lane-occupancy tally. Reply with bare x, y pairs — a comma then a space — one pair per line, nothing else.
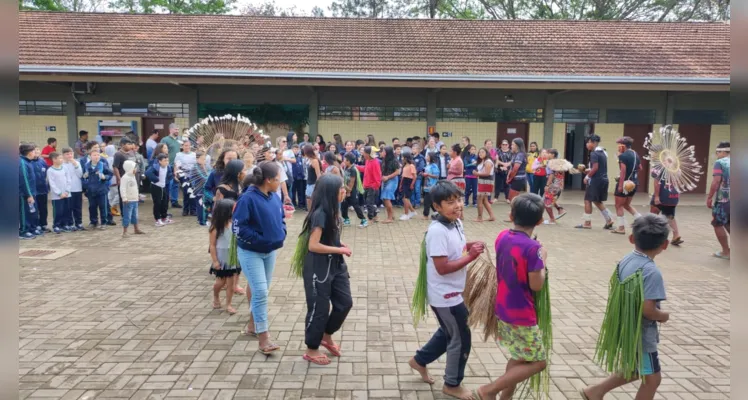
552, 82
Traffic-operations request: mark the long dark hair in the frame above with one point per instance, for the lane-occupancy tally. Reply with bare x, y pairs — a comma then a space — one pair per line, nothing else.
308, 151
264, 171
520, 145
319, 139
389, 164
370, 141
220, 165
221, 215
325, 199
466, 151
330, 158
482, 160
431, 157
231, 173
408, 158
158, 150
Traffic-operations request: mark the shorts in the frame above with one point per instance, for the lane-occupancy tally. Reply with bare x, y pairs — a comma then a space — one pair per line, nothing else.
597, 191
721, 214
309, 190
518, 184
523, 342
407, 191
666, 210
650, 364
389, 188
621, 194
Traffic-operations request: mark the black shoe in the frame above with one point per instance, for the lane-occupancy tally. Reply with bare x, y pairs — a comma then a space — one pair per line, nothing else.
184, 213
111, 223
176, 205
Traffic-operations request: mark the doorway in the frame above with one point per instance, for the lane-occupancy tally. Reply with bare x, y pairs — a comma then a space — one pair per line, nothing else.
160, 124
576, 152
511, 130
639, 133
699, 136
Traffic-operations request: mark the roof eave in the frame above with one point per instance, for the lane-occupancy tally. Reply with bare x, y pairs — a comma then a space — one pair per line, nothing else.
379, 76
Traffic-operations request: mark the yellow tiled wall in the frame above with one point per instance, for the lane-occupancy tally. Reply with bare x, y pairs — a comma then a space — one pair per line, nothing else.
609, 133
32, 128
478, 132
720, 133
382, 130
535, 134
559, 137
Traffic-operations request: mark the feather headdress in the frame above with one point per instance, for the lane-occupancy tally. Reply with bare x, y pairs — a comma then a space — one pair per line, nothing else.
673, 159
559, 164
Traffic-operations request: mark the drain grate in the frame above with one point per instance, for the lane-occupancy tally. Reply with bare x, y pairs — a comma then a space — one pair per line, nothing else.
44, 254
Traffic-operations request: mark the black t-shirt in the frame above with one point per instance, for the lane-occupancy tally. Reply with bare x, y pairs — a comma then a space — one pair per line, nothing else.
630, 159
319, 220
668, 195
119, 162
599, 157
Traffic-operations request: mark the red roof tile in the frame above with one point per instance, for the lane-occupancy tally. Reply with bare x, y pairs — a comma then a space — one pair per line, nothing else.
581, 48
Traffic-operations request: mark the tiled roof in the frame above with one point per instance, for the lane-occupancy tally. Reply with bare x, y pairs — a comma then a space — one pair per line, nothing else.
451, 47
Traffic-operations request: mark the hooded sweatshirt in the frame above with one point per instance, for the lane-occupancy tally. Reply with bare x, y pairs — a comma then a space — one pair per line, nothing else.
259, 223
128, 186
40, 175
97, 177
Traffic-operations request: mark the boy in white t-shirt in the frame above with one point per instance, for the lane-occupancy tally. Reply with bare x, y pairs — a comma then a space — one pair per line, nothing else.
448, 254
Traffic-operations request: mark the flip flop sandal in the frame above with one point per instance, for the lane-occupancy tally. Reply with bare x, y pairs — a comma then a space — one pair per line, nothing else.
608, 226
269, 349
334, 350
561, 215
584, 396
720, 255
618, 232
319, 360
582, 227
247, 332
677, 241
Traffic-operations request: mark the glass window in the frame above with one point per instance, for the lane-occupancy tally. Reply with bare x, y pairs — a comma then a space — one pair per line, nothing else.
576, 115
489, 114
41, 107
371, 113
708, 117
631, 116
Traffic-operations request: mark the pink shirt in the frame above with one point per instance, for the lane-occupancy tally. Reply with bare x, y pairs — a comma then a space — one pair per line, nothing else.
455, 169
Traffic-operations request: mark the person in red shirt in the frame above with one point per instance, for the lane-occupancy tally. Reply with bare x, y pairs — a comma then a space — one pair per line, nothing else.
49, 148
372, 182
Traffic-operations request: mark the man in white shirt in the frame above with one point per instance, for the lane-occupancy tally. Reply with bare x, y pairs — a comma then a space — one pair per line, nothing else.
151, 143
184, 162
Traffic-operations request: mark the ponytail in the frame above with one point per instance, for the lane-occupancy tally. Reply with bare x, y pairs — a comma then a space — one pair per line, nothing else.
264, 171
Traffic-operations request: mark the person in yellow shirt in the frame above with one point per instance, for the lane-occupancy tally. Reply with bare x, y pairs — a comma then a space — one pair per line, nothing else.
532, 154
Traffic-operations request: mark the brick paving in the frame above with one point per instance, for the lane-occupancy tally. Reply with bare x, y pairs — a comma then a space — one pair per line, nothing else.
132, 319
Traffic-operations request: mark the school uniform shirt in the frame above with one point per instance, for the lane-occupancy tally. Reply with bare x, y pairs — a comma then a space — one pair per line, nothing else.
654, 289
59, 182
287, 165
445, 240
26, 178
94, 173
516, 256
443, 165
40, 176
186, 161
75, 174
521, 159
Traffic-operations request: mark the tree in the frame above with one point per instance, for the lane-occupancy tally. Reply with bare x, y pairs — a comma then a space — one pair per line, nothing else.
365, 9
318, 12
269, 8
62, 5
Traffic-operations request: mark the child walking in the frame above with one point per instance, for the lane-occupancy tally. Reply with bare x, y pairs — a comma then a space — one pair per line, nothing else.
160, 175
75, 201
430, 177
448, 253
649, 237
96, 178
128, 189
59, 191
220, 243
470, 160
325, 274
372, 182
520, 271
407, 185
484, 174
390, 177
557, 169
353, 187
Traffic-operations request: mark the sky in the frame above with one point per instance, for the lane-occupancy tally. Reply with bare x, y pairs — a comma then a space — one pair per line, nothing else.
304, 6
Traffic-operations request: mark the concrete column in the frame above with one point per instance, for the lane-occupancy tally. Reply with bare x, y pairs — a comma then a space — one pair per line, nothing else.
602, 117
670, 110
431, 108
72, 120
193, 99
548, 111
313, 113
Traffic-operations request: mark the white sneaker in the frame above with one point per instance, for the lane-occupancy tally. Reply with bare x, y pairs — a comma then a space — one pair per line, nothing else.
412, 214
404, 217
159, 223
548, 222
168, 221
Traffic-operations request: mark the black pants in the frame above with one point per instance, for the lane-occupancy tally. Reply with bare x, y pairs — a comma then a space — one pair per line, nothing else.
160, 198
427, 204
28, 219
41, 206
326, 281
97, 206
453, 337
370, 197
351, 201
539, 183
501, 186
76, 208
298, 197
60, 213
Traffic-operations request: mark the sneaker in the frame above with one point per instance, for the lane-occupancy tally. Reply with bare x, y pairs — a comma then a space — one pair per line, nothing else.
350, 208
412, 214
80, 227
176, 205
404, 217
26, 236
111, 223
56, 230
69, 228
102, 227
38, 232
364, 223
169, 220
159, 223
92, 225
347, 222
46, 230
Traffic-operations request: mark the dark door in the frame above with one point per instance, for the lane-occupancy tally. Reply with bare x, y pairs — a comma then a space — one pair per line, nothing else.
639, 133
510, 131
161, 124
699, 135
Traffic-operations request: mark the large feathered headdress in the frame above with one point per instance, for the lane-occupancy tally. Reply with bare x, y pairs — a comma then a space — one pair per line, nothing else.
673, 159
216, 134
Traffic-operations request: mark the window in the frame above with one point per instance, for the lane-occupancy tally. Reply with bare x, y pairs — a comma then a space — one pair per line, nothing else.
369, 113
576, 115
631, 116
40, 107
489, 114
709, 117
165, 109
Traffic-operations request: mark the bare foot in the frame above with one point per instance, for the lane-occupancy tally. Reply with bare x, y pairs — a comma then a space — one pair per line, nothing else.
421, 370
478, 220
139, 232
459, 392
491, 219
230, 310
426, 218
587, 396
388, 221
216, 303
482, 395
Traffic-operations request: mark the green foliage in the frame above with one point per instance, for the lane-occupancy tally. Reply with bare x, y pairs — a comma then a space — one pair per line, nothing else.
418, 305
299, 254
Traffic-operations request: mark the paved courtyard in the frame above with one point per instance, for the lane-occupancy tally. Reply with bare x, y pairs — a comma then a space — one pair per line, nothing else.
133, 318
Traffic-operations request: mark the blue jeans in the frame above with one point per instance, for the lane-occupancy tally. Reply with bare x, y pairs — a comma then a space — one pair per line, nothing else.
531, 182
415, 199
471, 187
129, 213
258, 269
174, 192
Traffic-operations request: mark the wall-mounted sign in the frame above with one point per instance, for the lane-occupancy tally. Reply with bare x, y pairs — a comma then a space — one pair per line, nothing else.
511, 131
158, 126
50, 128
446, 134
